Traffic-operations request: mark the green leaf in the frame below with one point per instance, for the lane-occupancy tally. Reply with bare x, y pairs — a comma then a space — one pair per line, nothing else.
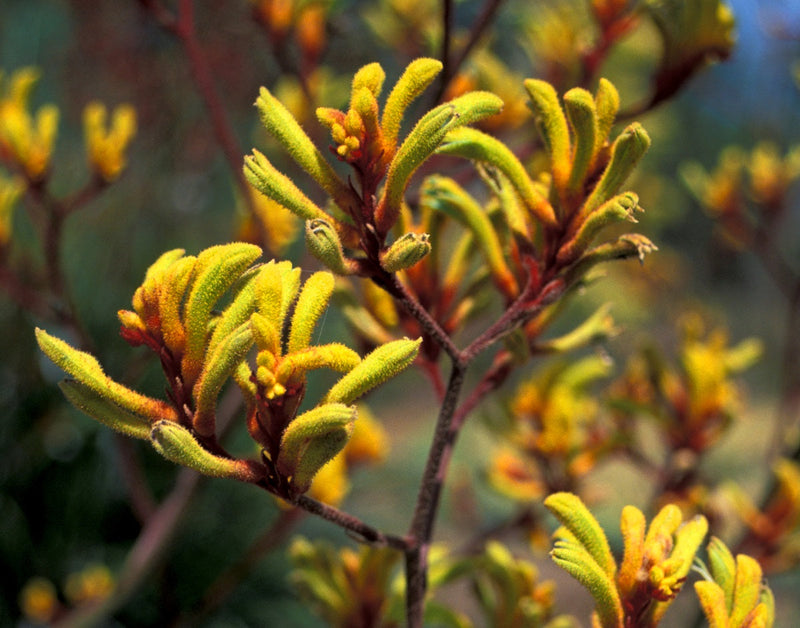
376, 368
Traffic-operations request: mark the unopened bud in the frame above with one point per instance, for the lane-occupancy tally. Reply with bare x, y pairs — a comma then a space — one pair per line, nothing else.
406, 251
323, 243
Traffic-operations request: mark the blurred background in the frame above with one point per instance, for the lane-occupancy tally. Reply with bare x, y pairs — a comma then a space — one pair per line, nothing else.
65, 488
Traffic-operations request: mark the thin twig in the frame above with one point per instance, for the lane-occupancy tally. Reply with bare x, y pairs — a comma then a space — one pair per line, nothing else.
491, 381
351, 523
453, 65
525, 307
421, 529
429, 324
447, 40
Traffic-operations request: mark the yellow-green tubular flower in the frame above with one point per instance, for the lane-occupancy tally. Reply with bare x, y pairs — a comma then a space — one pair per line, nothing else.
265, 334
482, 148
406, 251
311, 303
379, 366
415, 79
553, 127
733, 594
693, 34
276, 288
620, 207
149, 290
88, 372
281, 124
220, 363
668, 578
576, 561
106, 144
11, 188
313, 439
607, 104
422, 141
265, 178
171, 292
575, 517
445, 195
369, 77
582, 114
417, 147
177, 444
633, 526
627, 150
334, 356
597, 328
628, 245
216, 269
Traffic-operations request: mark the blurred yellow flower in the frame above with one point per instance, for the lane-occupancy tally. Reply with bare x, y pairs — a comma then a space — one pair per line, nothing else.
106, 143
38, 600
95, 582
331, 483
25, 139
11, 188
279, 226
369, 443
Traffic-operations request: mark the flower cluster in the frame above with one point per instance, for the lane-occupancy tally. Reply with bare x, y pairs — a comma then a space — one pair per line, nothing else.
173, 314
